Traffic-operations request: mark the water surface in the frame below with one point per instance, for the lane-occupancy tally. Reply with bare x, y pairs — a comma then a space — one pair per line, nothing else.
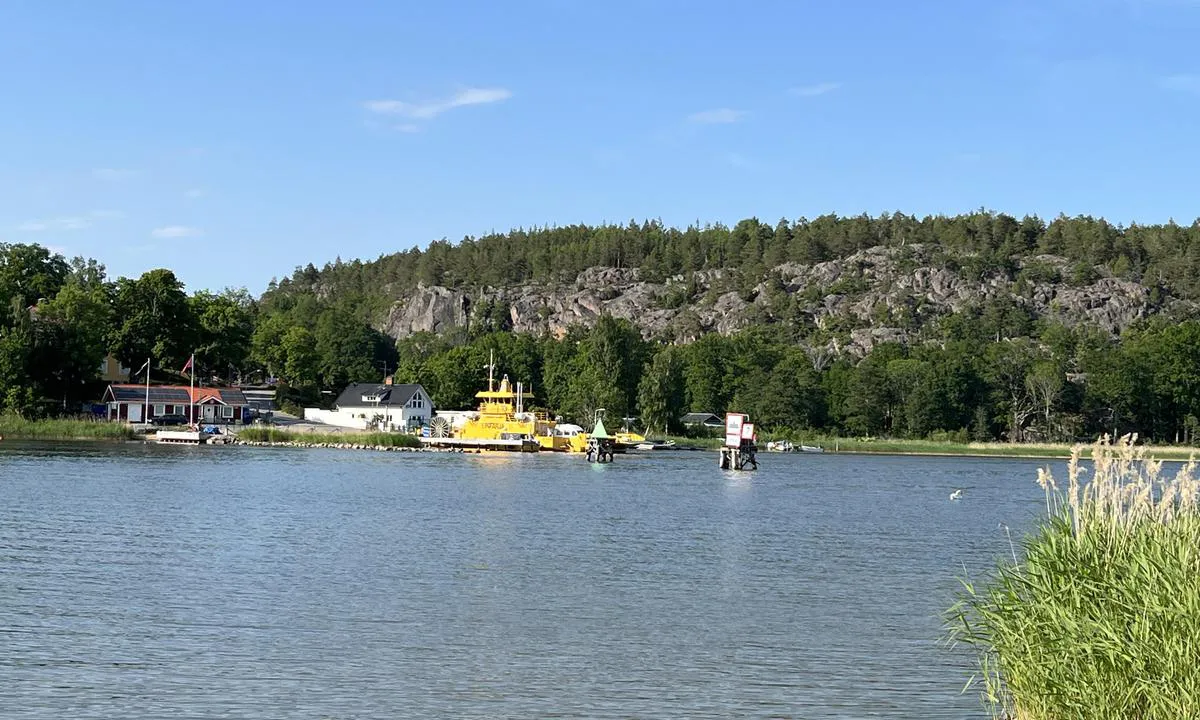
147, 582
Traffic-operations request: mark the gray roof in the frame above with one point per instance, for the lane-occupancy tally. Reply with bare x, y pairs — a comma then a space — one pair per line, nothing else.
699, 418
352, 396
173, 394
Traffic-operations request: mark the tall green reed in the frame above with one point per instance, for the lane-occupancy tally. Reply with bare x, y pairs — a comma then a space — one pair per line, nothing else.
1100, 619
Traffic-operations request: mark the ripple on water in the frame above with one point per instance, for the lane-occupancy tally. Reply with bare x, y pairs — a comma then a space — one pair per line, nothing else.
148, 582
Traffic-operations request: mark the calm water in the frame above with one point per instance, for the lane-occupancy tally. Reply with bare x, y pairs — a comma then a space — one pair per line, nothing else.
168, 582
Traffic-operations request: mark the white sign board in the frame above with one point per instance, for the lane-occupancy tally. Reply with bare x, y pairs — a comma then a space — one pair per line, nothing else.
747, 431
733, 429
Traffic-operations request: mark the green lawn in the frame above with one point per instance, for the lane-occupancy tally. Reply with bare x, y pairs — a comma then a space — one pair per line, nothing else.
988, 449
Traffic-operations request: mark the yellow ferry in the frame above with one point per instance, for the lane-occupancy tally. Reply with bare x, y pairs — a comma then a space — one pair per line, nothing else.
502, 423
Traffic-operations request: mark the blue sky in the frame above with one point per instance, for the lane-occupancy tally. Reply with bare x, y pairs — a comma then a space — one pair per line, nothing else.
234, 141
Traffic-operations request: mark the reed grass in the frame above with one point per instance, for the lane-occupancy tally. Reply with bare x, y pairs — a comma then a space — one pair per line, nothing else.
1100, 619
16, 427
268, 434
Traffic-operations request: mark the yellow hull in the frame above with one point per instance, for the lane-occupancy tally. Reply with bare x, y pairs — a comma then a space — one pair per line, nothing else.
500, 421
491, 428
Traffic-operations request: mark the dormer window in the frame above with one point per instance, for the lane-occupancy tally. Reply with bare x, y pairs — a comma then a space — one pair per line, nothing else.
370, 398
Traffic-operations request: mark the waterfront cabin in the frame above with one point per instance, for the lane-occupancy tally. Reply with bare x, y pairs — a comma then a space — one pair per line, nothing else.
383, 406
212, 405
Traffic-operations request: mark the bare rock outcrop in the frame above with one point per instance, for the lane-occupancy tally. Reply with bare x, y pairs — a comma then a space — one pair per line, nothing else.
861, 298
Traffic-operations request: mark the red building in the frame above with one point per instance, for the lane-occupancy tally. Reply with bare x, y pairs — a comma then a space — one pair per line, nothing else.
213, 405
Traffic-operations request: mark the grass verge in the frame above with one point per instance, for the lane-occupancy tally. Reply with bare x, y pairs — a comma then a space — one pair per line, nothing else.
267, 434
1101, 618
15, 427
972, 449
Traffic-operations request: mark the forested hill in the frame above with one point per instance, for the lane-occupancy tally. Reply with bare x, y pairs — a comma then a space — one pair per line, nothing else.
843, 282
978, 326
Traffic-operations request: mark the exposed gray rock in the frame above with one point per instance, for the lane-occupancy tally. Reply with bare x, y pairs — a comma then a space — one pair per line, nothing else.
862, 294
432, 309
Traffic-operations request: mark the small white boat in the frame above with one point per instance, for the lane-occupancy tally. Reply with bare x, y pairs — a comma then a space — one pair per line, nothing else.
181, 437
957, 494
655, 445
811, 449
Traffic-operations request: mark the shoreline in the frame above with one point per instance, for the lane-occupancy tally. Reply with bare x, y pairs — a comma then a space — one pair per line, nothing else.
91, 431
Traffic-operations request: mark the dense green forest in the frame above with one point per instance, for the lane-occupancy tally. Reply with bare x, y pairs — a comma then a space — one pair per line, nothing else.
988, 372
1165, 257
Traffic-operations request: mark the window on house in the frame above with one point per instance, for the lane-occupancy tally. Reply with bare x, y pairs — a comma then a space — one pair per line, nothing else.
160, 409
227, 412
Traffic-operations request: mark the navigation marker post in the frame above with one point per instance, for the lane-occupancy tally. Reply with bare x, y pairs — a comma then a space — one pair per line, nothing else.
740, 447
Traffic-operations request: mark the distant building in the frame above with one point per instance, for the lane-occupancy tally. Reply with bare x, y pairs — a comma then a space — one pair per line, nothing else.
261, 398
112, 371
212, 405
377, 405
707, 420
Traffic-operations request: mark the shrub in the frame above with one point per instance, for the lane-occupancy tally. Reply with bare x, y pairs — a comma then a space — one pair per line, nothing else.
1101, 618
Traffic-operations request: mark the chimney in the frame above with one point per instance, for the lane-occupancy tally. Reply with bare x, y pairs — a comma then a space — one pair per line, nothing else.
387, 380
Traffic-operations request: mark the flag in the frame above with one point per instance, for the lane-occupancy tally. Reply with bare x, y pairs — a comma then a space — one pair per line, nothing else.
188, 365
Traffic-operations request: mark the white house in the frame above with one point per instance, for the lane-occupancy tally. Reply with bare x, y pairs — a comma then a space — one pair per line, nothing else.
373, 405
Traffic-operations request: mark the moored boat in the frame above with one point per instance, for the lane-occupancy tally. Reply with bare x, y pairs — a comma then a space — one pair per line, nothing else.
656, 445
501, 422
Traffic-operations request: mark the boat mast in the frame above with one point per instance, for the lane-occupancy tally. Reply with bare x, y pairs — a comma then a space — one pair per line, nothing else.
491, 368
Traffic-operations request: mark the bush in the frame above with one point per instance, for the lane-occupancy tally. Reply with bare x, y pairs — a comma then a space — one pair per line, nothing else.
1101, 619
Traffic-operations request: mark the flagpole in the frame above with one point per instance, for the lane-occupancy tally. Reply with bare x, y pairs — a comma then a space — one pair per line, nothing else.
146, 413
192, 396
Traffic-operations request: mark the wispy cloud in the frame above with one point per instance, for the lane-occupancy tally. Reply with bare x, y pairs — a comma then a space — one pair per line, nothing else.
194, 193
1188, 83
112, 174
55, 225
719, 116
69, 222
815, 90
431, 109
176, 231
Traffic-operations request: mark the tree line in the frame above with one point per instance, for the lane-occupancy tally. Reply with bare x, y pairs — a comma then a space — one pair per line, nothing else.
61, 318
1061, 384
993, 371
1164, 257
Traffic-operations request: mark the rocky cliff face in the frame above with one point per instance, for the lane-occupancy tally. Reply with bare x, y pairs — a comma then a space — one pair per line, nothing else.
876, 295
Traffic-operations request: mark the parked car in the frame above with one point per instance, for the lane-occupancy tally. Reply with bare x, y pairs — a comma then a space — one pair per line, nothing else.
169, 419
